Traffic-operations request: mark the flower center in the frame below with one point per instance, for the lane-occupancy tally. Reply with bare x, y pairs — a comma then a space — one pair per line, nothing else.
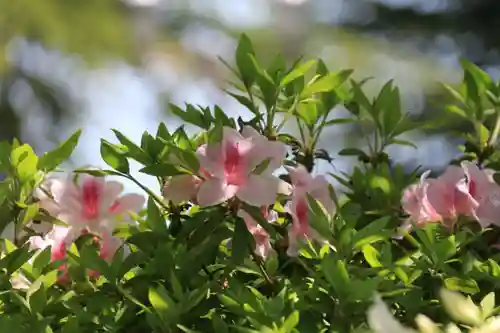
234, 165
302, 213
91, 195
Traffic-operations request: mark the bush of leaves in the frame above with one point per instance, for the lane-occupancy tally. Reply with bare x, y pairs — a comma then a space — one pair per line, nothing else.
243, 236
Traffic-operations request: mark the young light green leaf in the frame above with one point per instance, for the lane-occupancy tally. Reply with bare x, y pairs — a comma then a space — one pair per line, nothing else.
25, 162
297, 72
290, 323
460, 308
329, 82
163, 305
488, 304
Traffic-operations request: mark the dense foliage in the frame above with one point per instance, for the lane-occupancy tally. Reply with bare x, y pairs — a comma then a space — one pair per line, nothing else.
245, 237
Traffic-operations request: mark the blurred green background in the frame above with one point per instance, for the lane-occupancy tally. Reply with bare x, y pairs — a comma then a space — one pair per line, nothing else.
101, 64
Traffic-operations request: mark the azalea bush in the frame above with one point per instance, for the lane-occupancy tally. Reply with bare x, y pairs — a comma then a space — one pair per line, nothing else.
243, 234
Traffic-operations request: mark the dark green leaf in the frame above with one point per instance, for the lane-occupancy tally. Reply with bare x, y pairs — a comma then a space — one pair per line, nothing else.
161, 170
241, 242
52, 159
243, 61
114, 157
155, 220
133, 150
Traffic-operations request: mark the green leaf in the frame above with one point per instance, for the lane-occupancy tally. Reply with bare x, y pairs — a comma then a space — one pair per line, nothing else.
488, 304
36, 297
402, 143
371, 256
163, 132
460, 308
52, 159
155, 220
337, 121
133, 150
454, 93
453, 109
468, 286
353, 152
161, 170
218, 324
244, 51
297, 72
245, 101
25, 162
155, 148
361, 101
176, 286
240, 244
329, 82
15, 259
191, 116
41, 260
163, 305
308, 112
266, 85
114, 157
219, 115
388, 103
335, 273
91, 259
30, 212
195, 297
290, 323
188, 158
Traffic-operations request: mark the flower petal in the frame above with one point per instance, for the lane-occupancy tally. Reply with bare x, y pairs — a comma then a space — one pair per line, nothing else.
110, 192
211, 157
260, 190
214, 191
129, 202
67, 195
299, 175
319, 190
381, 320
181, 188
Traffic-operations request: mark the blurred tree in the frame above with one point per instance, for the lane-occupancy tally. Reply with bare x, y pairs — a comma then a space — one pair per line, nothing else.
97, 30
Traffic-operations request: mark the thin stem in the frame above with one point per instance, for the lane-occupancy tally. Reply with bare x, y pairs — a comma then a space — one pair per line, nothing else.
319, 130
301, 131
287, 116
262, 269
148, 191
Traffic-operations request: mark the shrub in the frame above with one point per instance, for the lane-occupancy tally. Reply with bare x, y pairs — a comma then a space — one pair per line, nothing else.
245, 238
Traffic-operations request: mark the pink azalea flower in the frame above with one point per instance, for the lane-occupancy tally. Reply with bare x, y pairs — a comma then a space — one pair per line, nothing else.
262, 243
439, 200
416, 204
301, 229
317, 186
303, 184
58, 239
231, 165
182, 188
486, 192
92, 200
